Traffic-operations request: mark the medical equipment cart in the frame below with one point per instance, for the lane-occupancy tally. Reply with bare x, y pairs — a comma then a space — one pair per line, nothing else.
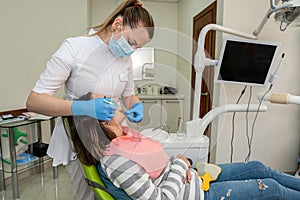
8, 143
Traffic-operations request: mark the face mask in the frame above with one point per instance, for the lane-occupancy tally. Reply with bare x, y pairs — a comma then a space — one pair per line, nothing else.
120, 47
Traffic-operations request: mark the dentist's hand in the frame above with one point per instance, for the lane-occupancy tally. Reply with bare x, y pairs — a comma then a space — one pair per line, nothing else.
136, 113
98, 108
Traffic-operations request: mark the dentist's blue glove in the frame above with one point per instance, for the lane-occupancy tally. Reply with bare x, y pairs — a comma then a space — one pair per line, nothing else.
136, 113
96, 108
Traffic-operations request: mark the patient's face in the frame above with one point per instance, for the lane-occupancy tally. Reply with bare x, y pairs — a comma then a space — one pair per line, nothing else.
115, 124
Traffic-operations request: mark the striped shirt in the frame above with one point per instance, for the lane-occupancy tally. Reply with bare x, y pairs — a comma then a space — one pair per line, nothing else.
134, 180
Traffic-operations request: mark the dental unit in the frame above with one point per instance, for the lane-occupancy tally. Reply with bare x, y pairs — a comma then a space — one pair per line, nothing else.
287, 13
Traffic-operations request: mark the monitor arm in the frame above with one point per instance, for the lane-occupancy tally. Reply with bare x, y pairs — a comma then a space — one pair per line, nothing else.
201, 60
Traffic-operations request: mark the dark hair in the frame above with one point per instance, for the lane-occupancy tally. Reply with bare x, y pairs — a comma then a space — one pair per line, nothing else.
92, 139
89, 136
132, 13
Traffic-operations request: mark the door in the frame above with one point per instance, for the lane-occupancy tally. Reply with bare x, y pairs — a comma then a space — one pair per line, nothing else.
207, 16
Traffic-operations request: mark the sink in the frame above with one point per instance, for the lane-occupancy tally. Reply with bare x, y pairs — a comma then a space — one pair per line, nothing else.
158, 134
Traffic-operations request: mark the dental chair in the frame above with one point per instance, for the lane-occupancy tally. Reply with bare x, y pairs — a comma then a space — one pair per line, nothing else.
97, 179
92, 176
93, 179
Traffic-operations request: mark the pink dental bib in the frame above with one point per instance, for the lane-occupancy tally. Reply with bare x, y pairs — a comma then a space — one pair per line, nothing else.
138, 148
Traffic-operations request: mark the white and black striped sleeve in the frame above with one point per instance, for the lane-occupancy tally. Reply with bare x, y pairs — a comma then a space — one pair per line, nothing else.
134, 180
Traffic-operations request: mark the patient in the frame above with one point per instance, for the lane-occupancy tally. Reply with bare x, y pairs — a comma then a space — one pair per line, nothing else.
139, 166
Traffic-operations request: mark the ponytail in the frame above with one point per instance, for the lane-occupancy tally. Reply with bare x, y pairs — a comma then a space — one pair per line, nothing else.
132, 13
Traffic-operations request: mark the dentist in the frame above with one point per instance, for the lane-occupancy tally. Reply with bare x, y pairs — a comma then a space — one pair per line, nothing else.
98, 63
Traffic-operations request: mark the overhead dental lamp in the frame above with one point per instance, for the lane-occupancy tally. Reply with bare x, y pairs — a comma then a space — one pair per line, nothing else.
288, 13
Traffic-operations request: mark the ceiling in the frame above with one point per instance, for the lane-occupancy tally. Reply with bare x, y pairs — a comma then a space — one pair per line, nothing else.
166, 1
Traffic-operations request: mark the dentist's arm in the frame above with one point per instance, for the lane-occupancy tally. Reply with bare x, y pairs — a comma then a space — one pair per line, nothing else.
46, 104
129, 101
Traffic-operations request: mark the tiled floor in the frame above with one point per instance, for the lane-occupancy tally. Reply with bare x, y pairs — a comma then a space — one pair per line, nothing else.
43, 187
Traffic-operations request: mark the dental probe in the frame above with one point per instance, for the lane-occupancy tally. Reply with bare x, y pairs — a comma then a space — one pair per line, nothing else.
108, 102
111, 103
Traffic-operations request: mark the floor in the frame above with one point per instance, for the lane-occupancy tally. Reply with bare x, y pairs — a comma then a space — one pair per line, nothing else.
43, 187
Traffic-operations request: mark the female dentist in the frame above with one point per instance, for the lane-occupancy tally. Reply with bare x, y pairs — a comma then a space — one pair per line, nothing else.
98, 63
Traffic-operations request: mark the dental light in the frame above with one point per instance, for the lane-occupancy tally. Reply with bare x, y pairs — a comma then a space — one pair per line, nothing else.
285, 14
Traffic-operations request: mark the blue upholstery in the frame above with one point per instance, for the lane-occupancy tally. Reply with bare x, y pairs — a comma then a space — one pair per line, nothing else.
117, 193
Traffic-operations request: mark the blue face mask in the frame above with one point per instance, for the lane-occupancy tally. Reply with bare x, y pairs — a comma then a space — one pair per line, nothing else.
120, 47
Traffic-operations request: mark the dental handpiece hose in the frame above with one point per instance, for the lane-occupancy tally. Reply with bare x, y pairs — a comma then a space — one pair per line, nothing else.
280, 98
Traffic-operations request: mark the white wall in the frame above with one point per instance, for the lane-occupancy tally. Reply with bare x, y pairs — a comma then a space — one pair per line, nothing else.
276, 133
31, 32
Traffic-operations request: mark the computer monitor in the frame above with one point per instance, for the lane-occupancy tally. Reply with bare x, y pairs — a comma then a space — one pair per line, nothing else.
245, 61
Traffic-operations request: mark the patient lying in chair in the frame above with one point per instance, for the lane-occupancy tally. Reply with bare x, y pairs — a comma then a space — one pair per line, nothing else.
141, 168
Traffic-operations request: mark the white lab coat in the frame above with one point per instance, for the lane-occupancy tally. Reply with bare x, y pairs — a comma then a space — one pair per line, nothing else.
84, 64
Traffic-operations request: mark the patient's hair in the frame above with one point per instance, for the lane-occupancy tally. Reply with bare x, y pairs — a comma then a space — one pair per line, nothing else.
89, 137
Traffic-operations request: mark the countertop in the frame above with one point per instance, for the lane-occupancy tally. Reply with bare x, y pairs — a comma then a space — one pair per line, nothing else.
161, 96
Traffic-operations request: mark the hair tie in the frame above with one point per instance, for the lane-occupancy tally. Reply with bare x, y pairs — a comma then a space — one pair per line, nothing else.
138, 5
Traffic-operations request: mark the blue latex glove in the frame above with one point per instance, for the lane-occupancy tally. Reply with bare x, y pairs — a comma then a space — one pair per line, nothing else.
96, 108
136, 113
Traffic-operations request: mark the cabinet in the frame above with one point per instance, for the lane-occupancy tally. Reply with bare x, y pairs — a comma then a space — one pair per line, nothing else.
172, 114
13, 133
159, 110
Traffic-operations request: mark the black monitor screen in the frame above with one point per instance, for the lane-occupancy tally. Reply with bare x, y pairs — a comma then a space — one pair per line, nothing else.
245, 61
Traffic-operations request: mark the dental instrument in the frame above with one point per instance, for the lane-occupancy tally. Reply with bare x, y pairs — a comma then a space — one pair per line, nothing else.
275, 75
109, 102
280, 98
